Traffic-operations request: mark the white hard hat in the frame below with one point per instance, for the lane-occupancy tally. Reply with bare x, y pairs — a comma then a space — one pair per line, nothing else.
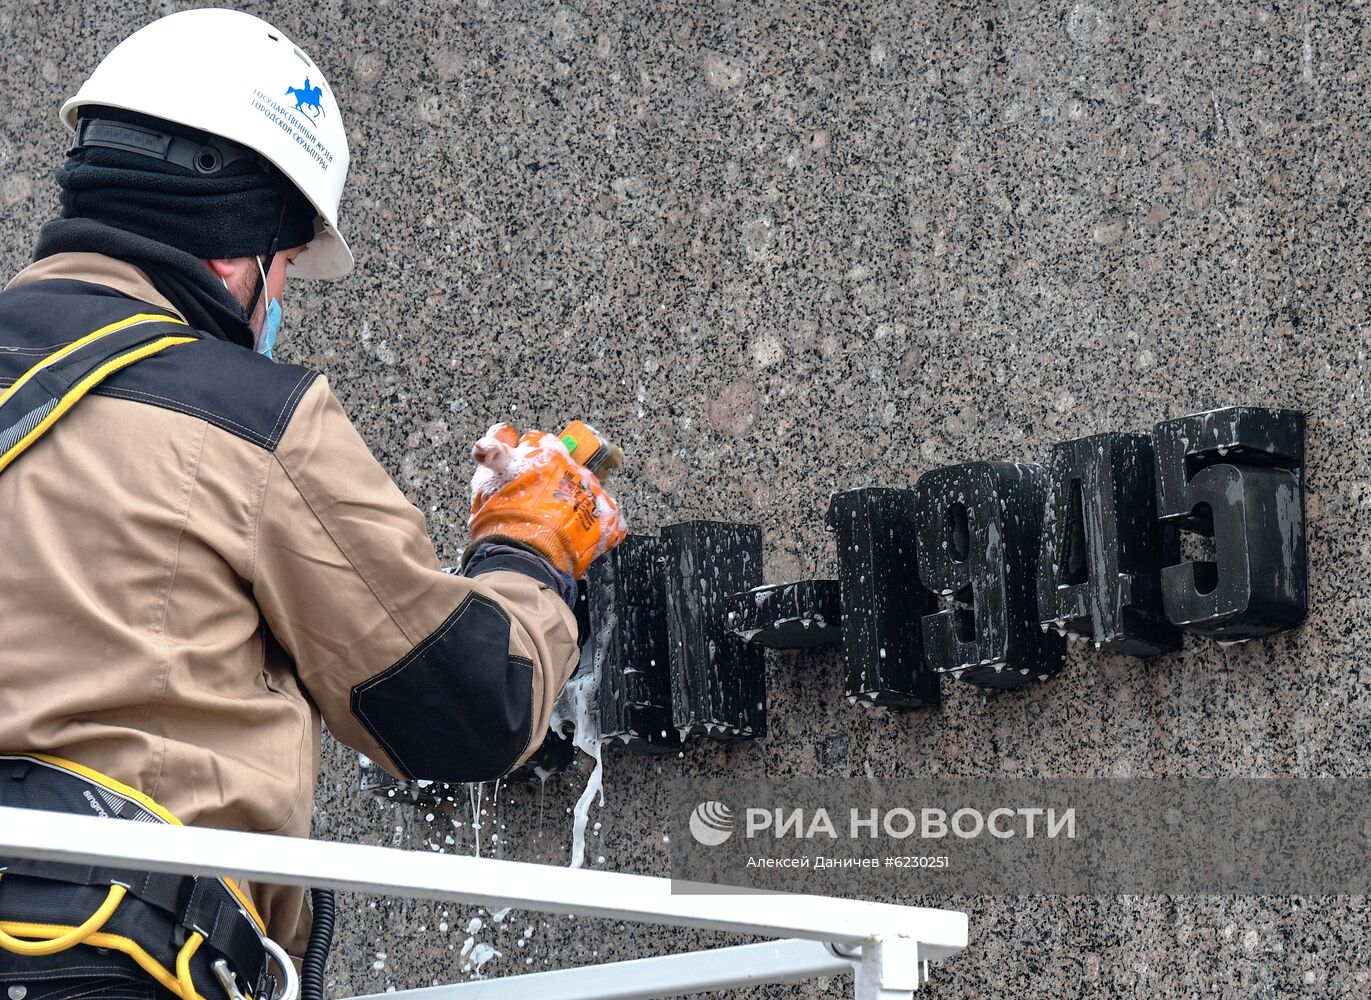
234, 75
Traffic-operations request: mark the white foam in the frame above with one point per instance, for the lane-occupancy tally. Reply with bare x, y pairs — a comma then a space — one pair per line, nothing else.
577, 710
482, 954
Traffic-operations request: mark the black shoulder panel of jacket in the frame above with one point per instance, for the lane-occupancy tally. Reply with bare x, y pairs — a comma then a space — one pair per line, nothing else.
232, 388
457, 707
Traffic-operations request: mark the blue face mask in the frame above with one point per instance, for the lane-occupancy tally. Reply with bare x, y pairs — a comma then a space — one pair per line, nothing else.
271, 326
271, 319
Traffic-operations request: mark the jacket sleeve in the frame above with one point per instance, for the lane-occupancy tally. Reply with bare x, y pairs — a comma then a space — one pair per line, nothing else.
434, 676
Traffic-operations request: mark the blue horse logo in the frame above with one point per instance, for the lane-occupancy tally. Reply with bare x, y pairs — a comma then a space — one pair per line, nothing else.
307, 98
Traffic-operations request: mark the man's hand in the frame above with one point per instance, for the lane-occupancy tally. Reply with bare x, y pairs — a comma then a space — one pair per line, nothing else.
528, 491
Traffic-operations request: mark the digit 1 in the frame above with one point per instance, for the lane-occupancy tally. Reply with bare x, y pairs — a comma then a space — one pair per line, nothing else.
882, 601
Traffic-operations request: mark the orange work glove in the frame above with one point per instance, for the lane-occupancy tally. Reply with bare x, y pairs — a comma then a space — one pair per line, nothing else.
528, 491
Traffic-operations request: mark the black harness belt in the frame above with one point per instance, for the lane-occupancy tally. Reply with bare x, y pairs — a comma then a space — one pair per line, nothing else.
198, 937
57, 383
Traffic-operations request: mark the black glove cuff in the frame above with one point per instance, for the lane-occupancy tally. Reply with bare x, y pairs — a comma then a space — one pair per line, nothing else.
489, 557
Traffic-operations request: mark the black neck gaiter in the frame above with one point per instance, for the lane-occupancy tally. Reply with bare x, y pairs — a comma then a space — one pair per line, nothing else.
190, 286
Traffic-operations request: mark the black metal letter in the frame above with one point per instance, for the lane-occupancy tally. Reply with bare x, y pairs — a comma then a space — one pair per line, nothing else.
1235, 476
882, 600
626, 634
978, 533
1099, 571
718, 685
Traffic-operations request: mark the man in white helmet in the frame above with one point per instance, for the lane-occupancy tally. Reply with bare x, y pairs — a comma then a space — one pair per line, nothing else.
202, 558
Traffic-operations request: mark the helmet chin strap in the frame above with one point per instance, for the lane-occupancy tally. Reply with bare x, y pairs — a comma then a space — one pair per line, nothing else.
259, 289
262, 275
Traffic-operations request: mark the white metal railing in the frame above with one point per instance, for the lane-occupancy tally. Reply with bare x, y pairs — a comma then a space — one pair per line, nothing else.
887, 947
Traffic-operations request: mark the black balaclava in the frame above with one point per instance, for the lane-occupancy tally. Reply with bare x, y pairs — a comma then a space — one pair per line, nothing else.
245, 208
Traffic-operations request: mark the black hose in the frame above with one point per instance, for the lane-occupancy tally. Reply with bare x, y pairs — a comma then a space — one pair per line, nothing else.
320, 941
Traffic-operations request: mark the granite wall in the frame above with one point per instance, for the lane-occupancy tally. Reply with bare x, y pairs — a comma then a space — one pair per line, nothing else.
780, 249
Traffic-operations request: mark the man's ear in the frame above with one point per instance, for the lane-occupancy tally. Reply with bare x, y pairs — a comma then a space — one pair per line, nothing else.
222, 268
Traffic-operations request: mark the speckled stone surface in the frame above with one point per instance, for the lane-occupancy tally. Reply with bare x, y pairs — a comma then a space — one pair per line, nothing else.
780, 249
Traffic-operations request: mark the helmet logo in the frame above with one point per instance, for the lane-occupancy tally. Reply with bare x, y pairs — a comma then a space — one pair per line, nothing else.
307, 98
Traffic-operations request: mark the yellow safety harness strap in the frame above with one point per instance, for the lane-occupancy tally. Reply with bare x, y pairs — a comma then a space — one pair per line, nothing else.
40, 396
160, 922
114, 942
73, 937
